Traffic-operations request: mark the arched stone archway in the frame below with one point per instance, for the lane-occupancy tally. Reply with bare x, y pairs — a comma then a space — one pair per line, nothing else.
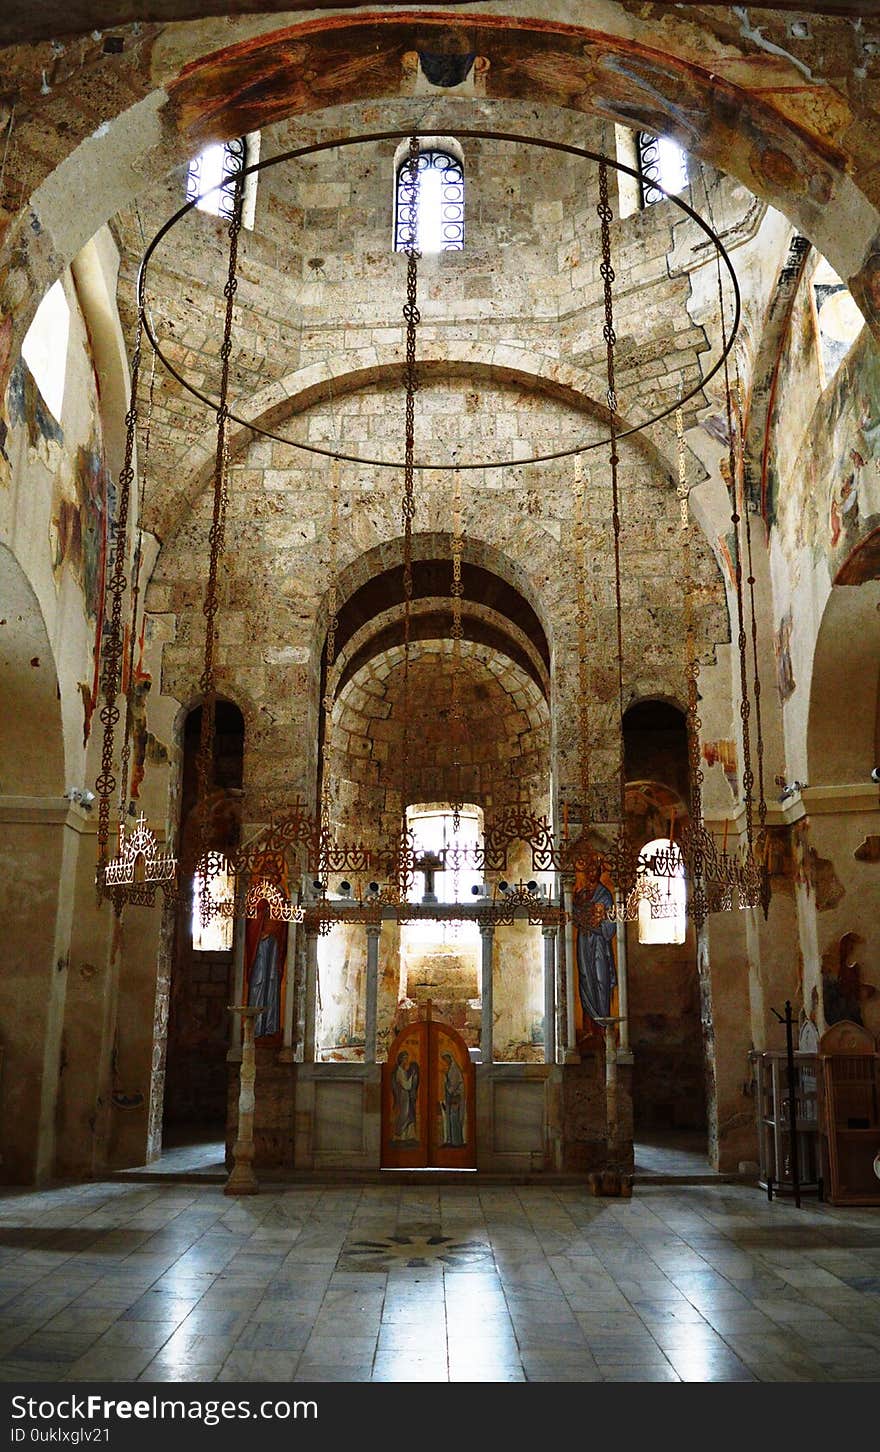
845, 688
38, 853
705, 82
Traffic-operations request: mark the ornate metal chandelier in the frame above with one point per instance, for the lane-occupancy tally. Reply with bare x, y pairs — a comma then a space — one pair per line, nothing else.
717, 880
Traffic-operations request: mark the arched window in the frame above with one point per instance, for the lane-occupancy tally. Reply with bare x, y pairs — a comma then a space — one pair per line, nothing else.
44, 349
662, 163
432, 827
666, 921
216, 166
216, 935
438, 214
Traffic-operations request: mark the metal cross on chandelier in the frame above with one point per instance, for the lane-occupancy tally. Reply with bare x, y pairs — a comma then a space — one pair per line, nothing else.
301, 843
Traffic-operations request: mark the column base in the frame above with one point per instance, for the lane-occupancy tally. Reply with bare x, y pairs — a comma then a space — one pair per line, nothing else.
242, 1181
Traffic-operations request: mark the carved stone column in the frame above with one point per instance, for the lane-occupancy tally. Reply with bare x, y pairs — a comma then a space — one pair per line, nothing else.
487, 941
311, 1026
549, 936
242, 1180
371, 1006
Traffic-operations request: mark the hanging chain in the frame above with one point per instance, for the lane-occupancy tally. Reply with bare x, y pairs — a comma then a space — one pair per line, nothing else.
135, 596
216, 536
412, 317
332, 626
113, 645
745, 706
698, 898
606, 272
759, 738
580, 540
456, 711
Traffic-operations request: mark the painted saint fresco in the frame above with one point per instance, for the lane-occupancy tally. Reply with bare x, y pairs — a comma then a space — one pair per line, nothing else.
404, 1093
265, 954
452, 1105
595, 949
597, 969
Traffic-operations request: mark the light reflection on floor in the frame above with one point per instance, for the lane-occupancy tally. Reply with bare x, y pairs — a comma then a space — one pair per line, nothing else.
175, 1282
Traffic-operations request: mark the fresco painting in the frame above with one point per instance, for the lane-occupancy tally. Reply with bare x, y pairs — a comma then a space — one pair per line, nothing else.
594, 944
27, 409
785, 680
405, 1062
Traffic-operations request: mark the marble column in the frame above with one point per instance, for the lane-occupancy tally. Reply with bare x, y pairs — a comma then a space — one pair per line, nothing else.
622, 992
287, 1053
242, 1180
549, 936
311, 1015
239, 992
372, 1003
487, 942
571, 1055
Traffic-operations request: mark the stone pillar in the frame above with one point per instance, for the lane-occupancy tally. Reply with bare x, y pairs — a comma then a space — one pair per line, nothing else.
311, 1015
239, 991
487, 941
242, 1180
371, 1007
549, 935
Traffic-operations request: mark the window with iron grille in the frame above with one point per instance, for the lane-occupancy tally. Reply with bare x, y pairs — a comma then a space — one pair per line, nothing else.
211, 177
431, 214
662, 163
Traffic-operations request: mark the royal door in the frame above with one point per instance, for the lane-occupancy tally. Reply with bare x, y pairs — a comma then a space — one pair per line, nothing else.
428, 1099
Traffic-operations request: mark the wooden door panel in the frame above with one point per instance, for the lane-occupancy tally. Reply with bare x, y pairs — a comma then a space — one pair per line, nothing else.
405, 1078
452, 1101
429, 1099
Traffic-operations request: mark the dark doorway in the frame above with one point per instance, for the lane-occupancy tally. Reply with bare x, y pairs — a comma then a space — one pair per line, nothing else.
202, 959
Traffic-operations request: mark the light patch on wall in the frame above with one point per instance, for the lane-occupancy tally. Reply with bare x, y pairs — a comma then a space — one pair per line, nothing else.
838, 319
44, 349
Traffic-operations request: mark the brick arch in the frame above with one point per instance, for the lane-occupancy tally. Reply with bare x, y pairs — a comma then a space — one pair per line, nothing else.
505, 746
481, 624
794, 136
521, 603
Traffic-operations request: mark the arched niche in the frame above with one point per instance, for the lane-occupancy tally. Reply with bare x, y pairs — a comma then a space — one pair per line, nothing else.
202, 977
31, 737
845, 687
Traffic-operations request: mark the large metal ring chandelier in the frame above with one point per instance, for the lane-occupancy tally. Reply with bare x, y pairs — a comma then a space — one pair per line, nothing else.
582, 447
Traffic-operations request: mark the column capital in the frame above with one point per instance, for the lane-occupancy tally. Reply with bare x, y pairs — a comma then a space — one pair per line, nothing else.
487, 930
374, 930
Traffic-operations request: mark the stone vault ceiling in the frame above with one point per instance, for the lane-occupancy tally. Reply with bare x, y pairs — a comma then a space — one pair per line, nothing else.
784, 100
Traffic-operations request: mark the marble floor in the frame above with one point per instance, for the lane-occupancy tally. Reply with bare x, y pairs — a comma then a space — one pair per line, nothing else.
174, 1282
673, 1154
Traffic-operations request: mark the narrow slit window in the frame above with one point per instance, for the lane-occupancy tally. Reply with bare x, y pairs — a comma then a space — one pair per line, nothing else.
434, 210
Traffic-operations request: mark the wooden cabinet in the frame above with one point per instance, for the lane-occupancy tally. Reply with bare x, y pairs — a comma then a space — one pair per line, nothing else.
774, 1123
850, 1114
